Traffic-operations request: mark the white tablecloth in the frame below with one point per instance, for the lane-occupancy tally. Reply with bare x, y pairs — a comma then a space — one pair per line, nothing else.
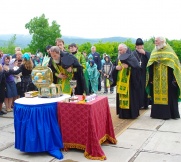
38, 100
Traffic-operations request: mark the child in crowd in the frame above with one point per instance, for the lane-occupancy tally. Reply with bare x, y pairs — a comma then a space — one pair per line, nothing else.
107, 69
93, 75
103, 59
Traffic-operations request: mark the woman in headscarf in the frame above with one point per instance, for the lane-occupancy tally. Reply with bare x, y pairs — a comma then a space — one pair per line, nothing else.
11, 90
26, 69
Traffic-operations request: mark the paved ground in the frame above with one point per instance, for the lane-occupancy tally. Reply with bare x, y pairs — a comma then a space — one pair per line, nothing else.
146, 140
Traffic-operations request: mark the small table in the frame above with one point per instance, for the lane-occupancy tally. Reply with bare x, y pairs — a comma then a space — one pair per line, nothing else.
86, 125
36, 125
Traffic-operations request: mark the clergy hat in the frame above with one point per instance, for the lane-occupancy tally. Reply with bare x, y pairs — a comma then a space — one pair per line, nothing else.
67, 61
139, 41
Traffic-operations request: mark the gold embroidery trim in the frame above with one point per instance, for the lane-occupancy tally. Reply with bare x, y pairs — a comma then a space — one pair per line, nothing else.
160, 86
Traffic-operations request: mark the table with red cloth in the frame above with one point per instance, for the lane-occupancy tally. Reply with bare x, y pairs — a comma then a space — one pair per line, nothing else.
86, 126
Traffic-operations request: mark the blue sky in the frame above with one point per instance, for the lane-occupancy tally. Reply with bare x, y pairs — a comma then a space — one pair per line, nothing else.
96, 18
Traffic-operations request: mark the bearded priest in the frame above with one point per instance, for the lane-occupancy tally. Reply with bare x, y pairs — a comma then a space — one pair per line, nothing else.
164, 81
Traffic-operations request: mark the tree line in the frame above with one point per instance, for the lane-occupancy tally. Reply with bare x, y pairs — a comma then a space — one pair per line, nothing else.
44, 34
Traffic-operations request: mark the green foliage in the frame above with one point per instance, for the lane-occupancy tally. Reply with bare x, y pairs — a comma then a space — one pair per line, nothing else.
42, 33
9, 46
86, 47
149, 44
130, 44
111, 48
26, 50
176, 45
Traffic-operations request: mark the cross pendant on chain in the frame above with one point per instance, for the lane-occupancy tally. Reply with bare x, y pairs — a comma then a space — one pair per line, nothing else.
140, 62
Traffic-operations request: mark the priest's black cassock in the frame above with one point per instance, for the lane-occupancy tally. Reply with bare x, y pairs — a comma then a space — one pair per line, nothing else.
66, 61
143, 60
133, 111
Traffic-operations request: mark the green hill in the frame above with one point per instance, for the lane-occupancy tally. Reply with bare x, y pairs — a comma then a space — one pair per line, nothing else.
24, 40
21, 40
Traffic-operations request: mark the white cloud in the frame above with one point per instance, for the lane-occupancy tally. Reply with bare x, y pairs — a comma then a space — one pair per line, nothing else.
97, 18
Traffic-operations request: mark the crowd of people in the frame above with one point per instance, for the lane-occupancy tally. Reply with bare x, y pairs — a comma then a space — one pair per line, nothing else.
140, 78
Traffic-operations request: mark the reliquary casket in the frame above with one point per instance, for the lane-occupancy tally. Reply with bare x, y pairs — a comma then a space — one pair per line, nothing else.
42, 77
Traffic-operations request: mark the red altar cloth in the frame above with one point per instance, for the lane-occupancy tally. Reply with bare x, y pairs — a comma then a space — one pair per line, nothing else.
86, 125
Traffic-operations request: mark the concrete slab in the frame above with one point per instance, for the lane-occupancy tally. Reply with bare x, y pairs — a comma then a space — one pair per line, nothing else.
147, 123
157, 157
113, 154
171, 126
9, 128
112, 105
13, 154
6, 139
133, 139
2, 159
165, 142
118, 154
150, 136
147, 113
5, 121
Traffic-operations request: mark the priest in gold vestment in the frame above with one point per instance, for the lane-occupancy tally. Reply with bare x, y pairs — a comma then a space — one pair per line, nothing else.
62, 65
164, 82
127, 82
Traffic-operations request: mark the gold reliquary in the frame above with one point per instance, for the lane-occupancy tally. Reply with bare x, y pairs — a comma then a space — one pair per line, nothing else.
42, 77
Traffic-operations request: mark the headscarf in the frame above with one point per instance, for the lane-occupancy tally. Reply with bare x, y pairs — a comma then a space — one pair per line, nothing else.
91, 61
11, 63
26, 56
3, 58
